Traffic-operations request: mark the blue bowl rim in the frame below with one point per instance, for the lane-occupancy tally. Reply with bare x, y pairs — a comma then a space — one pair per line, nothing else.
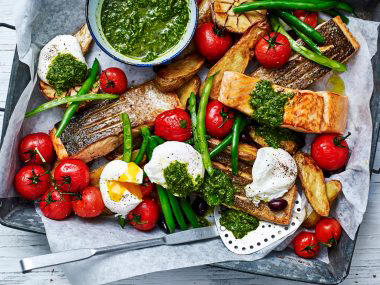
141, 64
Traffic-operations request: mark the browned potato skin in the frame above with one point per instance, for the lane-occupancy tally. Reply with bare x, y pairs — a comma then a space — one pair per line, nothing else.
313, 183
333, 189
204, 12
171, 77
185, 90
289, 146
238, 56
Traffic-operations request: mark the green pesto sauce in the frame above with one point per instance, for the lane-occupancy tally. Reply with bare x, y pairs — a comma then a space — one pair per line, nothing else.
203, 222
144, 29
268, 104
179, 181
274, 136
218, 189
65, 71
239, 223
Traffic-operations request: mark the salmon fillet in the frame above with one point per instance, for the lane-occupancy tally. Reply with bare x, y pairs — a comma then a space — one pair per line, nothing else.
96, 131
307, 111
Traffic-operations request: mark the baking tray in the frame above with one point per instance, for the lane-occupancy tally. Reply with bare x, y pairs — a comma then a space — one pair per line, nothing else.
20, 214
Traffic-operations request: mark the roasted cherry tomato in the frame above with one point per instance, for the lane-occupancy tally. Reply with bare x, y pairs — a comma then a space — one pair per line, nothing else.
145, 216
328, 231
219, 119
72, 175
173, 125
146, 187
310, 18
211, 42
27, 148
55, 205
113, 80
273, 50
305, 245
31, 181
330, 151
89, 203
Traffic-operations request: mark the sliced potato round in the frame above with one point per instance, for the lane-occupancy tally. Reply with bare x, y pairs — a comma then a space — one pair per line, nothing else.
224, 16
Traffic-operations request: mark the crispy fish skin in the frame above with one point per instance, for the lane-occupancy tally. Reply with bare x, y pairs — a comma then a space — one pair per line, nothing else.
307, 111
299, 72
238, 56
96, 130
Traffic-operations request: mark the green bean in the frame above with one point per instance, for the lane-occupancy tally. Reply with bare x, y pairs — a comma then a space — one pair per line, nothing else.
201, 126
158, 139
285, 5
191, 140
127, 128
320, 59
189, 213
86, 87
235, 144
177, 211
193, 114
152, 144
165, 205
76, 98
146, 134
333, 13
338, 4
301, 26
307, 40
226, 141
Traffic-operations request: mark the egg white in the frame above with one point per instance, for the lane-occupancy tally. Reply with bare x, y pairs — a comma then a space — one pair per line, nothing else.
118, 170
60, 44
169, 152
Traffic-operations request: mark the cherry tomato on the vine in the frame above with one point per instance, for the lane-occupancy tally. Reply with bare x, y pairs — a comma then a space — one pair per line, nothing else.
308, 17
305, 245
328, 231
330, 151
55, 205
219, 119
27, 148
173, 125
113, 80
145, 216
212, 42
89, 203
72, 175
273, 50
31, 181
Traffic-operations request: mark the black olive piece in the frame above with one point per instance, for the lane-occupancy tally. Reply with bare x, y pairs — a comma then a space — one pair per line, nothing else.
162, 224
199, 206
277, 204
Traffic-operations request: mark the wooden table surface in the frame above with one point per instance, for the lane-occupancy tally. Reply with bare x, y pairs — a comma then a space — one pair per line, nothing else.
15, 244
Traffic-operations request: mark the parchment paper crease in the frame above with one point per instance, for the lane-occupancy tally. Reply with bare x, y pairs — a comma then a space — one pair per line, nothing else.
38, 21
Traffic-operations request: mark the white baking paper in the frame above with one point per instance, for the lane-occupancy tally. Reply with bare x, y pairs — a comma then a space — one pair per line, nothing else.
38, 21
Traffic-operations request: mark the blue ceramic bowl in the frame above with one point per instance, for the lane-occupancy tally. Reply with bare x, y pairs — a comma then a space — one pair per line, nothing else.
93, 12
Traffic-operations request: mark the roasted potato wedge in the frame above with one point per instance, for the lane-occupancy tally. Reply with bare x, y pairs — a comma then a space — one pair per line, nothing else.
288, 145
333, 189
224, 16
204, 11
173, 76
238, 56
313, 183
185, 90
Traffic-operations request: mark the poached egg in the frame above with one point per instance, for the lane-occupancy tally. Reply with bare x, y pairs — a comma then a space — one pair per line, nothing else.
119, 186
273, 173
61, 44
171, 151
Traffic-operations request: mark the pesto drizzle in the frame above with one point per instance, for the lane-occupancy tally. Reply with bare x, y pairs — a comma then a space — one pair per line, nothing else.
274, 136
65, 72
179, 182
268, 104
218, 189
239, 223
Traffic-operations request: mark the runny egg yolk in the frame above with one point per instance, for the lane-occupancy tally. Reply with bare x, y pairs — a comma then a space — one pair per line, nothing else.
131, 174
117, 189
